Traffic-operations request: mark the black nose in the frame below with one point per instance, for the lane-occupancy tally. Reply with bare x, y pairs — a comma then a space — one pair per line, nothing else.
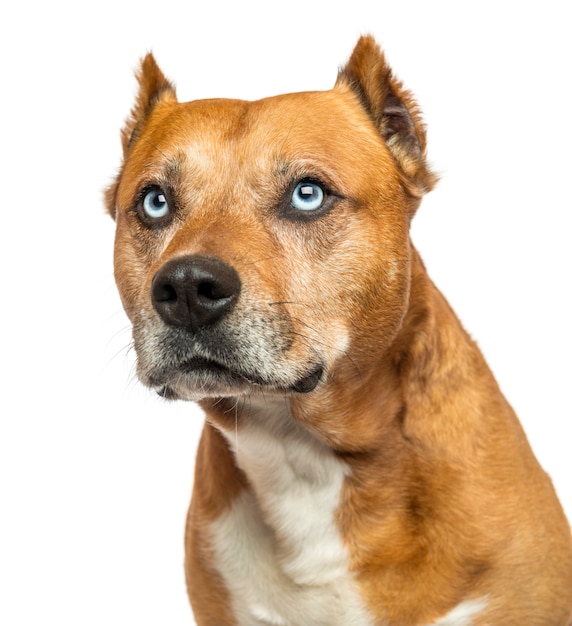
194, 291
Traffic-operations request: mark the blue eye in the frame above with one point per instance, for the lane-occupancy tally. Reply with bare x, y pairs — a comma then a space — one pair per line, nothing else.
155, 205
307, 196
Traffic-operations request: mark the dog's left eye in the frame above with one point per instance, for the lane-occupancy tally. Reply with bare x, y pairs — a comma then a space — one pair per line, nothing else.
307, 196
155, 205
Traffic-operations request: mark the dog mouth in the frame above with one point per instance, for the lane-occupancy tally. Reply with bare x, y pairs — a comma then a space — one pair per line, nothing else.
201, 377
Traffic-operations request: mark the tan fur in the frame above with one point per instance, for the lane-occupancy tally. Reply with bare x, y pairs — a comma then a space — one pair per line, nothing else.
443, 501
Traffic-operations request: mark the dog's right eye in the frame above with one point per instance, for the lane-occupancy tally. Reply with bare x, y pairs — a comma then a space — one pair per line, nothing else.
154, 204
154, 207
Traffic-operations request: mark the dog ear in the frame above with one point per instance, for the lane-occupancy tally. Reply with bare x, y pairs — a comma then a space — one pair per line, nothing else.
393, 110
154, 87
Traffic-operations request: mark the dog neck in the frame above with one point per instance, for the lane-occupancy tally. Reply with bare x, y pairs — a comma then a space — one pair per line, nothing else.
301, 446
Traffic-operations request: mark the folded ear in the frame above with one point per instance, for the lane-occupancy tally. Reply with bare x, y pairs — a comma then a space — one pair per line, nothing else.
153, 88
392, 109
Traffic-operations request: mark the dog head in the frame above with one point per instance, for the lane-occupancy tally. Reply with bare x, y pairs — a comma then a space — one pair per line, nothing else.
262, 246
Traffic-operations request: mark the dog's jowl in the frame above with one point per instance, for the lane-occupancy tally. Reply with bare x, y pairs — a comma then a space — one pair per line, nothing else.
358, 464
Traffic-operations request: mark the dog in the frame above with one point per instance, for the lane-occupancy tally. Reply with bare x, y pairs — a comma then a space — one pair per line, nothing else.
359, 465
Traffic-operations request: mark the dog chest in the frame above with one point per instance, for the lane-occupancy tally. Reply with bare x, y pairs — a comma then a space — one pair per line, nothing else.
278, 548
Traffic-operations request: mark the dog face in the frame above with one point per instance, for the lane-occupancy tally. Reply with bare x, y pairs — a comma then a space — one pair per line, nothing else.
264, 246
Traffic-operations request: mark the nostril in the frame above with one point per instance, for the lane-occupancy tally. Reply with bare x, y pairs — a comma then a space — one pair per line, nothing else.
164, 293
207, 290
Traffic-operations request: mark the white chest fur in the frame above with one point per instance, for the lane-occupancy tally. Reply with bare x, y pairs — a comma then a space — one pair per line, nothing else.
278, 547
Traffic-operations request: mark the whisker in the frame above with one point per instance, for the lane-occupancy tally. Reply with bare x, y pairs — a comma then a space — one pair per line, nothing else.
236, 425
280, 302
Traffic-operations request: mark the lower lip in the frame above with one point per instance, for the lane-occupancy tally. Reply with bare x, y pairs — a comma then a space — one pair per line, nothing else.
199, 365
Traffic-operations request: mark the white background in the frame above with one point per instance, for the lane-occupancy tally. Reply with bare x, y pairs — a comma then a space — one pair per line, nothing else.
95, 473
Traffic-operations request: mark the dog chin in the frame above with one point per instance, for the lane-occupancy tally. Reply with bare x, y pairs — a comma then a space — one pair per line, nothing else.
200, 379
